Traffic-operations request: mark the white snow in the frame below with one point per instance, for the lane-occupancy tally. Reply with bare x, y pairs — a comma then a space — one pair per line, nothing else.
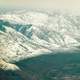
48, 33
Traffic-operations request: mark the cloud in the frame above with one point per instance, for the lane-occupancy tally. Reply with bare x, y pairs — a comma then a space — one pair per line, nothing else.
69, 4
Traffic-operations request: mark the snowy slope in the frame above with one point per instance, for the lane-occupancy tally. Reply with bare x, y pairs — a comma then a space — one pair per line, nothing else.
24, 35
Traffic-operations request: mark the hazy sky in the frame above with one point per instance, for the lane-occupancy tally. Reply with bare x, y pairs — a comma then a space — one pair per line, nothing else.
69, 4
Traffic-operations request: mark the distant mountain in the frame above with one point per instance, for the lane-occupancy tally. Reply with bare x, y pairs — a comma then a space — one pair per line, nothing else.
29, 34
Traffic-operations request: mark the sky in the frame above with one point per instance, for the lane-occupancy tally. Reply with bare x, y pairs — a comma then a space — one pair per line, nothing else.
68, 4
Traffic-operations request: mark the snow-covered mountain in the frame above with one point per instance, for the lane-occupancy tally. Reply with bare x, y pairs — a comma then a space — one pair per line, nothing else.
29, 34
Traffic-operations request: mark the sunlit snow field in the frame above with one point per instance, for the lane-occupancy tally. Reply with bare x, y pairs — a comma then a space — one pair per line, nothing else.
43, 44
